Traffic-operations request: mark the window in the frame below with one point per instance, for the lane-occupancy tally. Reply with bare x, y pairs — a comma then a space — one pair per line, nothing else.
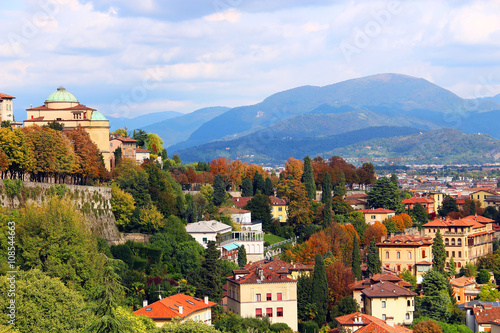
458, 298
453, 254
408, 303
269, 312
446, 241
398, 255
399, 268
459, 242
447, 254
383, 317
409, 268
386, 254
279, 312
407, 316
460, 254
409, 255
279, 297
383, 304
423, 254
453, 241
237, 220
257, 298
280, 209
268, 296
459, 265
373, 217
205, 240
258, 313
280, 217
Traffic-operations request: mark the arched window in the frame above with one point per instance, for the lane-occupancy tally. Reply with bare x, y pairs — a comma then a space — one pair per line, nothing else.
423, 254
407, 315
408, 303
459, 242
386, 254
398, 255
409, 255
446, 241
453, 241
459, 265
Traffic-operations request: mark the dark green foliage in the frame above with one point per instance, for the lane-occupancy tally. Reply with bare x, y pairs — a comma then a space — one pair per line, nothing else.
438, 253
258, 183
242, 256
246, 188
385, 194
55, 125
326, 198
118, 155
191, 214
135, 182
219, 195
449, 205
5, 124
13, 187
347, 305
260, 206
308, 326
308, 178
279, 327
452, 269
320, 291
202, 166
374, 264
339, 189
419, 214
436, 303
356, 260
268, 187
211, 274
483, 276
304, 292
434, 283
141, 136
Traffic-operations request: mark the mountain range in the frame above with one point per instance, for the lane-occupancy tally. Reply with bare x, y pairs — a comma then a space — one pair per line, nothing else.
376, 110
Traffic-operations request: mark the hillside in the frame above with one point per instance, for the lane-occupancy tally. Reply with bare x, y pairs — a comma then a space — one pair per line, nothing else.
140, 121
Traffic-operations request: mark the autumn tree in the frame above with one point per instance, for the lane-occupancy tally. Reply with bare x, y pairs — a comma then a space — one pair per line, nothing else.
121, 132
122, 206
356, 260
376, 230
299, 212
339, 278
16, 147
294, 168
427, 326
154, 144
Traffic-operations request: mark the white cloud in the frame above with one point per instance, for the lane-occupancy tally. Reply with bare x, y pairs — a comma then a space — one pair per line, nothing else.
230, 15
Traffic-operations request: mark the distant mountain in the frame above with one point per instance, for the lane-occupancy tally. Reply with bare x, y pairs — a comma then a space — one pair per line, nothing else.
140, 121
441, 146
175, 130
263, 147
385, 94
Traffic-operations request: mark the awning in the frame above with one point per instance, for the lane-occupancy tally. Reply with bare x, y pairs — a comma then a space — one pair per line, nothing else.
230, 247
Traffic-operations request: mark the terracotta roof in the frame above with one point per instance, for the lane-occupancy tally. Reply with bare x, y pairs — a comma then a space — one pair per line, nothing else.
484, 315
424, 262
387, 289
275, 201
354, 201
415, 200
356, 318
141, 150
76, 107
495, 322
357, 196
168, 308
377, 211
481, 233
485, 190
406, 241
381, 327
240, 202
2, 95
35, 119
462, 281
277, 265
268, 276
232, 210
469, 221
366, 283
122, 139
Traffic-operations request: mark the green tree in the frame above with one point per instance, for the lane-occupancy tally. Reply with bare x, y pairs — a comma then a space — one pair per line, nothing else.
438, 253
452, 270
409, 277
246, 188
133, 179
55, 125
219, 195
308, 178
347, 305
385, 194
419, 214
449, 205
191, 211
304, 292
339, 189
141, 137
268, 187
488, 293
374, 265
188, 327
5, 124
356, 261
211, 274
258, 183
151, 219
154, 144
242, 256
122, 206
43, 304
436, 303
483, 276
326, 198
320, 290
260, 206
118, 155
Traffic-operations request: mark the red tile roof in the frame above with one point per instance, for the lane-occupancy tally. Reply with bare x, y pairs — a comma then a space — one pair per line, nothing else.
122, 139
377, 211
76, 107
469, 221
240, 202
406, 241
352, 319
232, 210
267, 276
415, 200
483, 316
386, 289
141, 150
381, 327
277, 265
367, 283
168, 308
35, 119
2, 95
275, 201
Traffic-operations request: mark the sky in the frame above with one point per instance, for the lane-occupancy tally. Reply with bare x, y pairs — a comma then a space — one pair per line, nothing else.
129, 58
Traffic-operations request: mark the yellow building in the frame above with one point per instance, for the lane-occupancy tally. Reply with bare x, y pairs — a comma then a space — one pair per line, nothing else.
481, 196
63, 107
411, 252
179, 306
438, 198
465, 239
279, 209
265, 288
377, 214
386, 299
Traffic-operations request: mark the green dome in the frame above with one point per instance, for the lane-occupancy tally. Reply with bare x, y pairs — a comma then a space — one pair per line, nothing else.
96, 115
61, 95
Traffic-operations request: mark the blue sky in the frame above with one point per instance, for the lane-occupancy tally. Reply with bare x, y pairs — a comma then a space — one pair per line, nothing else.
131, 57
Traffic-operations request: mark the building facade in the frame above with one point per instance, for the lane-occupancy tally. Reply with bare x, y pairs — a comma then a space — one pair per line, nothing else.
377, 214
6, 107
63, 107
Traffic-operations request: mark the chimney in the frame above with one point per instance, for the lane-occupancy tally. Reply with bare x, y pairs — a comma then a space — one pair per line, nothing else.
144, 302
206, 299
181, 309
389, 321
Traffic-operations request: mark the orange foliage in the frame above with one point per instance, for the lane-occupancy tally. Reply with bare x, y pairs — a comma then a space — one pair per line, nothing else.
407, 220
377, 230
338, 277
294, 168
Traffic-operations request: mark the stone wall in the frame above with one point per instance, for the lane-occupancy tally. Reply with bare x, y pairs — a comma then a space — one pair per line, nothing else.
94, 202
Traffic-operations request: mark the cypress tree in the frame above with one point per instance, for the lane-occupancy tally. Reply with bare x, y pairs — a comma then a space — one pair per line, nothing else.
269, 187
191, 212
211, 274
356, 261
308, 178
452, 270
258, 183
219, 195
304, 292
374, 265
438, 253
246, 188
320, 291
340, 190
242, 256
326, 198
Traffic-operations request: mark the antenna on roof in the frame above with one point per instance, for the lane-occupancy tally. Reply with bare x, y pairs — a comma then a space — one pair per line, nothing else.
159, 291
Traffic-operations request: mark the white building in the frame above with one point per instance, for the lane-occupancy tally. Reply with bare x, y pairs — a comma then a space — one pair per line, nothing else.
205, 231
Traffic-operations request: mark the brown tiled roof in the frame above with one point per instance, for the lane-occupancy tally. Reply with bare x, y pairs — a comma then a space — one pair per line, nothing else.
76, 107
354, 201
407, 241
387, 289
240, 202
2, 95
377, 211
168, 308
141, 150
484, 315
381, 327
357, 196
268, 276
366, 283
277, 265
415, 200
275, 201
424, 262
349, 319
122, 139
462, 281
232, 210
35, 119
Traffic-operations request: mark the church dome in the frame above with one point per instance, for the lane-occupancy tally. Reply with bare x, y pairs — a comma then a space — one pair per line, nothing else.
96, 115
61, 95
